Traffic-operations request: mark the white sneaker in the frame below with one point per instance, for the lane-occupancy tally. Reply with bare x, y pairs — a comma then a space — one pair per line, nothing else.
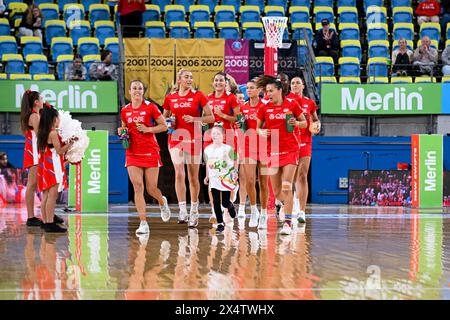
193, 218
241, 214
143, 238
286, 230
254, 219
165, 210
262, 221
143, 228
301, 217
182, 217
281, 215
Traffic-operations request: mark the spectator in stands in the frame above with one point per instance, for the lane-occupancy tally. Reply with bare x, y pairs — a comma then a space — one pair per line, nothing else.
4, 163
428, 11
446, 61
76, 70
130, 12
424, 58
445, 4
327, 42
401, 58
104, 70
2, 9
31, 24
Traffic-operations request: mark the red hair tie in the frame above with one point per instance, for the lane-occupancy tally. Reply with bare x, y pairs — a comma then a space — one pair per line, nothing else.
28, 91
47, 105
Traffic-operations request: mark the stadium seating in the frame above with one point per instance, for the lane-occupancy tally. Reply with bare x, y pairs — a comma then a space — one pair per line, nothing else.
377, 31
324, 67
323, 13
409, 45
8, 45
5, 29
152, 13
49, 11
229, 30
79, 29
88, 46
253, 30
250, 14
274, 11
224, 14
298, 31
379, 48
3, 76
13, 63
73, 11
20, 76
279, 3
349, 31
155, 29
369, 3
199, 13
323, 3
425, 80
103, 30
348, 15
350, 80
62, 3
299, 14
258, 3
434, 44
180, 30
59, 46
37, 64
403, 30
162, 4
404, 80
17, 10
400, 3
204, 30
98, 12
44, 77
377, 67
88, 60
351, 49
378, 80
430, 29
446, 79
346, 3
185, 3
301, 3
235, 3
112, 44
210, 3
31, 45
54, 28
174, 13
402, 15
376, 15
62, 61
87, 3
39, 2
302, 52
349, 67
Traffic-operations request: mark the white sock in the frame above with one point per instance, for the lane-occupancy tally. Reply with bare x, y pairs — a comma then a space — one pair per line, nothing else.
278, 202
194, 206
242, 207
182, 206
296, 204
254, 208
264, 212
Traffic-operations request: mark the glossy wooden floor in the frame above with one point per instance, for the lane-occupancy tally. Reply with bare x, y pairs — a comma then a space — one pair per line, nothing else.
341, 253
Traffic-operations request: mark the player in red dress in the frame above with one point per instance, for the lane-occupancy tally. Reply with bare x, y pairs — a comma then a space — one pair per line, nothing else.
143, 120
309, 109
187, 110
252, 156
283, 146
29, 120
52, 177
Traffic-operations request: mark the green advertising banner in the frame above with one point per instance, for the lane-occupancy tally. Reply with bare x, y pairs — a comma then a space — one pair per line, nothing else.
92, 175
76, 97
381, 99
71, 182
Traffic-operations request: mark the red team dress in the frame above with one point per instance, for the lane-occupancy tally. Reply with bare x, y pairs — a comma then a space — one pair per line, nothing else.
249, 141
144, 149
308, 107
186, 135
30, 153
227, 103
51, 168
274, 117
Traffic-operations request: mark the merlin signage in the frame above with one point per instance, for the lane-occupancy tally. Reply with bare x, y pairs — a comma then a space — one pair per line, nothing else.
381, 99
81, 97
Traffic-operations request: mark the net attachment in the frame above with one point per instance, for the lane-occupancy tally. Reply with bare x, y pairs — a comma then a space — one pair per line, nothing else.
274, 27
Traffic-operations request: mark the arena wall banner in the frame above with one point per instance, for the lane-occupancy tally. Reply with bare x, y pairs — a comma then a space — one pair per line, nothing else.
162, 60
445, 98
236, 59
92, 175
188, 57
381, 99
76, 97
212, 60
137, 65
427, 167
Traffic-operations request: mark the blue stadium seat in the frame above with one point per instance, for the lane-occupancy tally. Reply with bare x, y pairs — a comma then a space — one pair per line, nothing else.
112, 44
235, 3
37, 64
376, 15
73, 12
79, 29
43, 77
379, 49
225, 14
13, 63
403, 30
23, 76
258, 3
350, 80
400, 3
402, 15
299, 14
346, 3
162, 4
447, 31
204, 30
198, 13
351, 49
229, 30
87, 3
377, 31
323, 3
39, 2
180, 30
301, 3
54, 28
323, 13
98, 12
155, 29
377, 67
250, 14
62, 3
430, 29
349, 67
88, 60
377, 80
60, 46
298, 33
320, 80
5, 29
152, 13
185, 3
210, 3
88, 46
279, 3
302, 52
62, 61
31, 45
8, 45
174, 13
403, 80
348, 15
324, 67
103, 30
253, 31
273, 11
376, 3
50, 11
445, 79
17, 10
349, 31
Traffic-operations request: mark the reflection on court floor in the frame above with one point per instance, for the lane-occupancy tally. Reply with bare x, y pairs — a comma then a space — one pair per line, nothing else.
341, 252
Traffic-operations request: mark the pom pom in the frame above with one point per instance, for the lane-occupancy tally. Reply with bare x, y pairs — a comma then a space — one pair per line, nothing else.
70, 129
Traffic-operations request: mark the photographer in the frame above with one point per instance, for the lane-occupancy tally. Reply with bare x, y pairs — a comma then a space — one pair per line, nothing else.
105, 70
76, 70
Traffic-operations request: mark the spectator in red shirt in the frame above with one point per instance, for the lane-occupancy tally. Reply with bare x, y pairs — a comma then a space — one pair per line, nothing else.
428, 11
131, 17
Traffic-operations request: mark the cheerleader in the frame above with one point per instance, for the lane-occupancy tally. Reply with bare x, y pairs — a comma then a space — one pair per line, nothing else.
142, 120
52, 177
187, 110
283, 146
308, 108
251, 159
